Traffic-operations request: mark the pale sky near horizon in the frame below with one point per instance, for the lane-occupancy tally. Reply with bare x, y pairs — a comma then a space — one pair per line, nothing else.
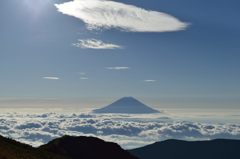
92, 52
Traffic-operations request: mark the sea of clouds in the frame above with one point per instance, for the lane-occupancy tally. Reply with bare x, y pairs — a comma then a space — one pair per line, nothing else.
130, 131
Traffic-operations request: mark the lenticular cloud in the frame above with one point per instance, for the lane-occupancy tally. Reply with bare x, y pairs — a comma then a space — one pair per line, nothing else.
106, 14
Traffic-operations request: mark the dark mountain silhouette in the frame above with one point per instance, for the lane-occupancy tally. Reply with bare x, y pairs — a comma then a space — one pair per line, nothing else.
93, 148
86, 148
10, 149
175, 149
127, 105
64, 148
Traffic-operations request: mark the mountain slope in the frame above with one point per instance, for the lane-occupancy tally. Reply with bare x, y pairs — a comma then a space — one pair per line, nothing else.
64, 148
92, 148
127, 105
10, 149
172, 149
86, 148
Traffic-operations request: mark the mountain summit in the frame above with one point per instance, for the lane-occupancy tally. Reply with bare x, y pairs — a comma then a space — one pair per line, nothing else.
127, 105
86, 148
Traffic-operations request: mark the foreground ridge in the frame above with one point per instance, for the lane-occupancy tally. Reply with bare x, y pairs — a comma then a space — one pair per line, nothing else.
86, 148
66, 147
172, 149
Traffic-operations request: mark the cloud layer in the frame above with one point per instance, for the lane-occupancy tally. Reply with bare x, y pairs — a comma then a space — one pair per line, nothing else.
95, 44
105, 14
128, 131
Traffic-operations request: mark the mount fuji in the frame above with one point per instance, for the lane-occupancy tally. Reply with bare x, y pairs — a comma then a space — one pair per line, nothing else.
127, 105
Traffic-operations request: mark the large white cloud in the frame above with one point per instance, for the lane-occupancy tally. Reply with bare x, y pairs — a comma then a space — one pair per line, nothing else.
128, 131
98, 14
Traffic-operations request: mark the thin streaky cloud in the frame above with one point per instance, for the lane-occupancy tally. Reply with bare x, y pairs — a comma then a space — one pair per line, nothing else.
82, 73
118, 68
84, 78
51, 78
95, 44
150, 80
107, 14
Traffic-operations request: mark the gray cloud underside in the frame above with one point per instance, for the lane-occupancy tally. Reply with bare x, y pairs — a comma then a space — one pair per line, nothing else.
37, 129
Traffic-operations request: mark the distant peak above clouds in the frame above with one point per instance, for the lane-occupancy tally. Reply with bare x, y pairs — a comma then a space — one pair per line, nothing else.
127, 105
105, 14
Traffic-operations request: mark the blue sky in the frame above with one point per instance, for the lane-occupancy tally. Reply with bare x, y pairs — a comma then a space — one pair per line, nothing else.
196, 65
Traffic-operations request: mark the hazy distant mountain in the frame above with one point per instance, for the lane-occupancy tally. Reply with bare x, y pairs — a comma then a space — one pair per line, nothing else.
175, 149
86, 148
127, 105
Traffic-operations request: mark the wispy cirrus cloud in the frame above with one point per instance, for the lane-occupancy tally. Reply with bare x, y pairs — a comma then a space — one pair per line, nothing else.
82, 73
105, 14
84, 78
118, 68
95, 44
150, 80
51, 78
